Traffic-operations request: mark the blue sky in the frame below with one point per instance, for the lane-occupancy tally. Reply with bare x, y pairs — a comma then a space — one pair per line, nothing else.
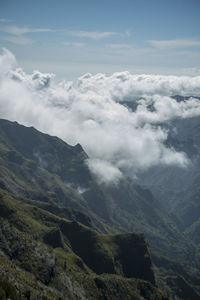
70, 38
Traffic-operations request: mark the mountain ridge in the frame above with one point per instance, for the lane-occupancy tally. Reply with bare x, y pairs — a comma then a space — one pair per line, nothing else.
52, 181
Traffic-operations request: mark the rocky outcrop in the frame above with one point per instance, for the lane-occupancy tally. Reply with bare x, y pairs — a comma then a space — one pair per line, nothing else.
123, 254
43, 254
54, 238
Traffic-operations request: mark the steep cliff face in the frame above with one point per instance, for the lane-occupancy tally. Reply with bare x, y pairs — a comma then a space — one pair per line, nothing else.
55, 255
123, 254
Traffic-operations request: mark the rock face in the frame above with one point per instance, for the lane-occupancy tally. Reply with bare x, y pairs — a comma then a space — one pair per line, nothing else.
54, 238
123, 254
135, 261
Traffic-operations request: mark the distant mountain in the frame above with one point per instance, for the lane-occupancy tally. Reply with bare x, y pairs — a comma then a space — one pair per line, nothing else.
61, 205
176, 187
179, 188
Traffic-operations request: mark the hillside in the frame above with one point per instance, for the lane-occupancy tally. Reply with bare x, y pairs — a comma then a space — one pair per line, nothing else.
46, 176
44, 256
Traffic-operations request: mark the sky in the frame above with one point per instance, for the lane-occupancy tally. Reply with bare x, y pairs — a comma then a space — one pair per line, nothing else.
71, 38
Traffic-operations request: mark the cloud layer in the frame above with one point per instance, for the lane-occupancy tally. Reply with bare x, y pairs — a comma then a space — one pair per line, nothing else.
91, 111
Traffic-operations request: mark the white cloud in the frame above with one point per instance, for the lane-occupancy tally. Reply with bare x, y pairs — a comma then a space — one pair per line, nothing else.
90, 111
105, 172
165, 109
162, 44
15, 30
7, 63
19, 40
16, 34
74, 44
96, 35
35, 81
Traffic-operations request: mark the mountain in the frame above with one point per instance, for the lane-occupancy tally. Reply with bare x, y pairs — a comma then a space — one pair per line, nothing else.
56, 202
178, 188
47, 257
47, 240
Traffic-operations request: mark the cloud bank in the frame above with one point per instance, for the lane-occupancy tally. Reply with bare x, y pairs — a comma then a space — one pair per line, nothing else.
91, 111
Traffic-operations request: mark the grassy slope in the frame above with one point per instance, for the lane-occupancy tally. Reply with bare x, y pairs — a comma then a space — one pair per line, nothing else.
47, 173
36, 266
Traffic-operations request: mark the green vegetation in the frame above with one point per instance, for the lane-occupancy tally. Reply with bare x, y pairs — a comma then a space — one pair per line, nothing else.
7, 290
61, 233
44, 252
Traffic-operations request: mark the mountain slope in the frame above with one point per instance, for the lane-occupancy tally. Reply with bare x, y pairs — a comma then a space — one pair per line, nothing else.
43, 255
49, 174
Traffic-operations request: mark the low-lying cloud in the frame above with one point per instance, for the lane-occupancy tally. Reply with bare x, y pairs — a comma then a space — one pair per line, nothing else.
104, 171
91, 111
